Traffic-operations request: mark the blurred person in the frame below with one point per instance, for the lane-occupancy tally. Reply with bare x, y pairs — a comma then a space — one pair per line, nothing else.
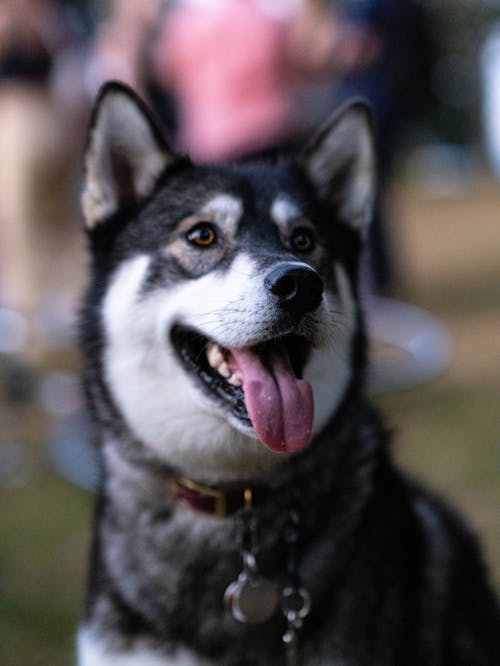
235, 68
120, 43
37, 163
226, 64
394, 82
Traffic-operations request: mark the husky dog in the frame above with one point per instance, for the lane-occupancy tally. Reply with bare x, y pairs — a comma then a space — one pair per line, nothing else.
247, 481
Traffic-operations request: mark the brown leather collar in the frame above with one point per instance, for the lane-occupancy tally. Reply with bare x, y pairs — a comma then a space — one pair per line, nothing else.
213, 501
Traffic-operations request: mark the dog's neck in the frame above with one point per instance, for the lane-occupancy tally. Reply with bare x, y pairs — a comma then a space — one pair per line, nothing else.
330, 486
317, 475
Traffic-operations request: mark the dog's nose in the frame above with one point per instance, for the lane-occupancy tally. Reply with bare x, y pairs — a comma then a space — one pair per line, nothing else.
298, 288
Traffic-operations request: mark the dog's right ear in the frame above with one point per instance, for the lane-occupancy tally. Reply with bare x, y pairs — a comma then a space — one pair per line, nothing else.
125, 153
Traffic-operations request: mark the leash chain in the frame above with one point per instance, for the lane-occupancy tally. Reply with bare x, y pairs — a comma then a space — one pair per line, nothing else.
295, 599
252, 598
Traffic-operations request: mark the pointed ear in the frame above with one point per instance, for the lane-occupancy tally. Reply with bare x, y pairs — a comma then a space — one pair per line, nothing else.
340, 162
125, 153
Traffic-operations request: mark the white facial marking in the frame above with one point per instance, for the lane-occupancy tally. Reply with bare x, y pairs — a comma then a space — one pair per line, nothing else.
163, 404
328, 368
227, 306
283, 210
226, 208
120, 301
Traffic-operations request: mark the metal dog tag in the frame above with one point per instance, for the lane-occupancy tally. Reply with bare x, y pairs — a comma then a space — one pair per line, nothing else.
251, 599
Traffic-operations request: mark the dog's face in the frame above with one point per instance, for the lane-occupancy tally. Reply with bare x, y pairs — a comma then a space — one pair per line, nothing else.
223, 302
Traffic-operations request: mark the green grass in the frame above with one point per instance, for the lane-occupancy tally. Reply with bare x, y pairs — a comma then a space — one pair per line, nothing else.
43, 544
447, 437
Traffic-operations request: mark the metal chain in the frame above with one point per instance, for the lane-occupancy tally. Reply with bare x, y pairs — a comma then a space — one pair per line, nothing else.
295, 599
252, 598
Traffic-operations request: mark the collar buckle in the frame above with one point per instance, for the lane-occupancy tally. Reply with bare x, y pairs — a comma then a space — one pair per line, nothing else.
199, 497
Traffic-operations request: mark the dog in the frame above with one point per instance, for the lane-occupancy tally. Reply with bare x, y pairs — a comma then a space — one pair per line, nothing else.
249, 511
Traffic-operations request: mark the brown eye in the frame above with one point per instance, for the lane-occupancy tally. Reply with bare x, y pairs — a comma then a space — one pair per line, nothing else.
202, 235
302, 240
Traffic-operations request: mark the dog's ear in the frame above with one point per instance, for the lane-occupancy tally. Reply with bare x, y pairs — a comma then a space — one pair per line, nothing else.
340, 162
125, 153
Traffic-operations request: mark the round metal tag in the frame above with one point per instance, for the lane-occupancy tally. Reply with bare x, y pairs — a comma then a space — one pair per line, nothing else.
252, 599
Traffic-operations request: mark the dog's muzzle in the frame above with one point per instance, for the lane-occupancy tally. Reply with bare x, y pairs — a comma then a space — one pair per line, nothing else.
297, 288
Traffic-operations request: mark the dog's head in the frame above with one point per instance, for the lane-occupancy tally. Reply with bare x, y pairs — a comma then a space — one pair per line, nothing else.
222, 315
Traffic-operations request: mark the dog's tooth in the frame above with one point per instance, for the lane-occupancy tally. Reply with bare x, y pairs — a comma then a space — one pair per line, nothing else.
235, 380
224, 370
214, 354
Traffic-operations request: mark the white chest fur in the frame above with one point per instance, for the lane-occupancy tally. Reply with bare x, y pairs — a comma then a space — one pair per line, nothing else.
93, 652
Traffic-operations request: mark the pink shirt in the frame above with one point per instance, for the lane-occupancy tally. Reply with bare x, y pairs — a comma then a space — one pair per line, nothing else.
226, 63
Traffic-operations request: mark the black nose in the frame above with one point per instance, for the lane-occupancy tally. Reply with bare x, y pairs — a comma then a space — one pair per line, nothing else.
298, 288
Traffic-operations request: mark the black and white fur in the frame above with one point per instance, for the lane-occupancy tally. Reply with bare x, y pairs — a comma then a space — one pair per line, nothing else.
395, 578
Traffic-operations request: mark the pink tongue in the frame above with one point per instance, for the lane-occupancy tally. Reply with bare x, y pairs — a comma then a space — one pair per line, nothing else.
280, 406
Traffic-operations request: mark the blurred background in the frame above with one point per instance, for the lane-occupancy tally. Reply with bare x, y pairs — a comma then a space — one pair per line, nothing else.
228, 79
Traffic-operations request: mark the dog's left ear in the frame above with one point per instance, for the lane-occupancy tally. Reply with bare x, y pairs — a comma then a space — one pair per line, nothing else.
340, 162
125, 153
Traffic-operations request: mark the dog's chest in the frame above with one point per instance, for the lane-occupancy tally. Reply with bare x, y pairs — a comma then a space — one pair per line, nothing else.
94, 652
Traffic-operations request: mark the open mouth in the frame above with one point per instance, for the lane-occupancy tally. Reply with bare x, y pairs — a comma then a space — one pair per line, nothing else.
261, 386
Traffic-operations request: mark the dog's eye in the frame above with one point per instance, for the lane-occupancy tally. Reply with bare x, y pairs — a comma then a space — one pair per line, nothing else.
302, 240
203, 234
